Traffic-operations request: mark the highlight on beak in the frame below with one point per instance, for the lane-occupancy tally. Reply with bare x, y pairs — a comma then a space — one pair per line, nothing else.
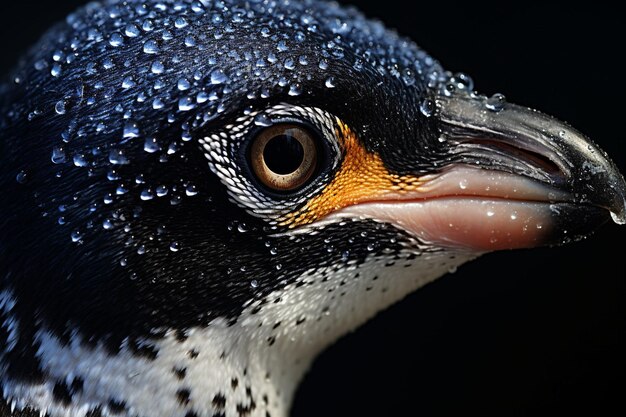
514, 178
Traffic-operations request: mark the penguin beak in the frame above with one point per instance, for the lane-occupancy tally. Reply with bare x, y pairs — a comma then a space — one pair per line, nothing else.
514, 178
547, 169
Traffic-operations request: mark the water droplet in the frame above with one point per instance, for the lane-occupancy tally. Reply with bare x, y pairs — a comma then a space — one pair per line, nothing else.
262, 120
186, 104
107, 224
242, 228
449, 89
58, 155
131, 130
289, 64
180, 22
174, 247
56, 70
21, 177
190, 41
146, 194
300, 36
191, 190
151, 47
128, 82
131, 31
112, 175
183, 84
282, 46
490, 213
295, 90
76, 236
452, 269
157, 104
151, 145
79, 160
463, 184
117, 157
463, 81
59, 107
218, 77
157, 67
323, 65
496, 102
162, 191
147, 25
330, 82
370, 247
121, 190
107, 64
202, 97
40, 65
254, 283
427, 107
116, 39
408, 77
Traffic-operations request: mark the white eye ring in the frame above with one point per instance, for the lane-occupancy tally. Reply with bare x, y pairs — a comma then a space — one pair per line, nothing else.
299, 172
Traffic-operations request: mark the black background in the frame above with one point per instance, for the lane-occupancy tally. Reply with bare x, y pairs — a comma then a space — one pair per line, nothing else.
513, 333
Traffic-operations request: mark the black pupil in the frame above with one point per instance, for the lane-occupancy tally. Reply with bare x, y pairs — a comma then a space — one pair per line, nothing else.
283, 154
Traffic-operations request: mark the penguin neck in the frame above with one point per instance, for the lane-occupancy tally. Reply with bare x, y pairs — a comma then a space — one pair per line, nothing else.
251, 367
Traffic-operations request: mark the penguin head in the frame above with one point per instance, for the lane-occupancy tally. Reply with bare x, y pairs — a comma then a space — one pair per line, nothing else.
268, 166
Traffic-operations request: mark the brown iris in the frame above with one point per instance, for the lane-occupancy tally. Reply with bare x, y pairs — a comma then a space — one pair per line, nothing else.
284, 156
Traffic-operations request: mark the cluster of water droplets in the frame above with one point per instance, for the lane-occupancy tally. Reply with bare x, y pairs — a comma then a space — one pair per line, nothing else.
448, 84
120, 74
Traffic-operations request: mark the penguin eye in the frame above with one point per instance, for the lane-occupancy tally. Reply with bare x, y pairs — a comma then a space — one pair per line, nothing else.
284, 156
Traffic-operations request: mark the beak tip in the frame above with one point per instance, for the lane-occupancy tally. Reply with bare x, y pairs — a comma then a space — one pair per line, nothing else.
619, 217
618, 213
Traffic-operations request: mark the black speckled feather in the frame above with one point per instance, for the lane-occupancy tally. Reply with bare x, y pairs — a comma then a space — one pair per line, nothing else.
108, 107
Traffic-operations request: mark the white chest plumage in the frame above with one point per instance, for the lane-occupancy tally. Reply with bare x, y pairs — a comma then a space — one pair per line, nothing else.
250, 368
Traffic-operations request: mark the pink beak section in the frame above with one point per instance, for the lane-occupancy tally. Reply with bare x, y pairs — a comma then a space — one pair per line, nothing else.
471, 209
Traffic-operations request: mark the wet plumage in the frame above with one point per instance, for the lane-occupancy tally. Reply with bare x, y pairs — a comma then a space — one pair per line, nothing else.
158, 237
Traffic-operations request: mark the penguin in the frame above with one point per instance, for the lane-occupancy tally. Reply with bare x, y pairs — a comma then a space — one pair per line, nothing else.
202, 196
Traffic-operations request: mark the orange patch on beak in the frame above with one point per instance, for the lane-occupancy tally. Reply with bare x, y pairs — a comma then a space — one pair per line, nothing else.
362, 177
